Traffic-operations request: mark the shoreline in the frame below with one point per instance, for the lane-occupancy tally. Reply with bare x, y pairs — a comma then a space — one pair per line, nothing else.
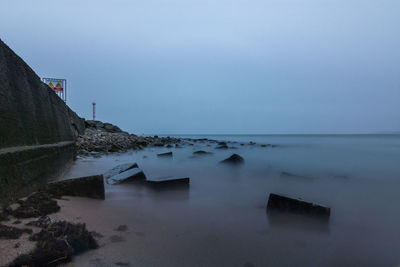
98, 139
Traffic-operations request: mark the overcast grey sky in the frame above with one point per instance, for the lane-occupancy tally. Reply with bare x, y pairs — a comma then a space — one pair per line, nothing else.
218, 66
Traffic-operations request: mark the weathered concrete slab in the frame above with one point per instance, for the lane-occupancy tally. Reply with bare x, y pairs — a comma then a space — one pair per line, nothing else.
202, 152
90, 186
167, 154
288, 175
120, 168
130, 175
168, 182
278, 203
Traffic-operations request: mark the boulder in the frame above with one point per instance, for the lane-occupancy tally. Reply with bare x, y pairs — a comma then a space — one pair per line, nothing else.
221, 145
120, 168
90, 186
111, 128
168, 182
278, 203
234, 159
158, 144
130, 175
167, 154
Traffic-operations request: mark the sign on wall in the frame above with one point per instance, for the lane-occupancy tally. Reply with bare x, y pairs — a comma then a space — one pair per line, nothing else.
58, 86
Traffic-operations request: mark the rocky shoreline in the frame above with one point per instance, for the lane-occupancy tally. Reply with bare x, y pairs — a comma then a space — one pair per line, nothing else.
102, 137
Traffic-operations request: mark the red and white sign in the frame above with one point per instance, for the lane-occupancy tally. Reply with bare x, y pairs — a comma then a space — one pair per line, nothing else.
58, 86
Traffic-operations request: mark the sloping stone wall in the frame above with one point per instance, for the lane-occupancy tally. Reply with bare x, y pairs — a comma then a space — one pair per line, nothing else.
30, 112
37, 129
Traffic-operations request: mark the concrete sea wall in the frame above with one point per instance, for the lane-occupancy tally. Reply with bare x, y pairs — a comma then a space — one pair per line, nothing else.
37, 129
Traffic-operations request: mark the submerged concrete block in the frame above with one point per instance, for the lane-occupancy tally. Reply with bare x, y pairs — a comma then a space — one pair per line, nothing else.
168, 182
120, 168
167, 154
130, 175
278, 203
90, 186
202, 152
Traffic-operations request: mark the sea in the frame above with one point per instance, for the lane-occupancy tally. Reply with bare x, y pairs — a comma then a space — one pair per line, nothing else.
221, 218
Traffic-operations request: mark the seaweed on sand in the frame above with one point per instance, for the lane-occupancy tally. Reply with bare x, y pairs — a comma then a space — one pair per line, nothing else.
56, 244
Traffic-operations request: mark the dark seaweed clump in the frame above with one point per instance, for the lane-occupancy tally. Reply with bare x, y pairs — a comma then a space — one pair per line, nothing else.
37, 204
9, 232
56, 244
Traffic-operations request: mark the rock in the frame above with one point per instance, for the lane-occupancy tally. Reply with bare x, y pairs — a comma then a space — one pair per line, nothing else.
112, 128
120, 168
9, 232
3, 217
222, 146
130, 175
290, 205
234, 159
122, 263
37, 204
4, 214
158, 144
56, 244
41, 222
265, 145
90, 186
202, 152
122, 228
167, 182
167, 154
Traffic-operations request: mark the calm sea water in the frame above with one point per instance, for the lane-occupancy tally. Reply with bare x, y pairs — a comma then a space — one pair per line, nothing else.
221, 219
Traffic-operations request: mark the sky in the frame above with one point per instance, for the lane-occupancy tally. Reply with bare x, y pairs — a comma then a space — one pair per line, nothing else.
218, 66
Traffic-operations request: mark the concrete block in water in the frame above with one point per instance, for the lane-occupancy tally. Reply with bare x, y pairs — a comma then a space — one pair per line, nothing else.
167, 154
118, 169
90, 186
167, 182
130, 175
202, 152
290, 205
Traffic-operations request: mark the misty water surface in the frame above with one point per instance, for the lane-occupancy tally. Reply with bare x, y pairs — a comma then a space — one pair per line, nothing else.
221, 219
